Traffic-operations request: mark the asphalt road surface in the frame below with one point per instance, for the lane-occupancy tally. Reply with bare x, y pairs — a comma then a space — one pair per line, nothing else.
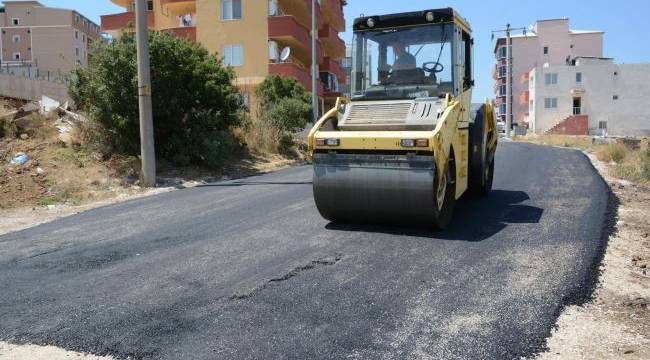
248, 270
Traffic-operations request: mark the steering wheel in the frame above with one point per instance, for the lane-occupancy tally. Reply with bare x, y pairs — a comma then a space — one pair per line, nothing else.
433, 67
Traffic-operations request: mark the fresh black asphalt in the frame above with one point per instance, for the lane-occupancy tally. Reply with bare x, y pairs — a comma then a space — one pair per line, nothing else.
247, 269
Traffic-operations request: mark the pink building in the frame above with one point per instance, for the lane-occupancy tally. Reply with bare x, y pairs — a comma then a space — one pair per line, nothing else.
550, 43
43, 41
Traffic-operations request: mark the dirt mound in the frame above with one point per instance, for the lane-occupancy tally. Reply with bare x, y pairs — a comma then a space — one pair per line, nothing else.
21, 186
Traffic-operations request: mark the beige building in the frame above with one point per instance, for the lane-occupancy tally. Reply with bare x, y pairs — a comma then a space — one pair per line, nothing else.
39, 41
547, 43
251, 35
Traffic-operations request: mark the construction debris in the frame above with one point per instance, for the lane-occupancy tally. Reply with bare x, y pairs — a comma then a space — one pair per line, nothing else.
19, 159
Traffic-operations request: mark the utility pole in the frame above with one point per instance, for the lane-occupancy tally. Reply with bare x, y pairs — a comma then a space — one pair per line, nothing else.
314, 62
508, 83
147, 147
508, 30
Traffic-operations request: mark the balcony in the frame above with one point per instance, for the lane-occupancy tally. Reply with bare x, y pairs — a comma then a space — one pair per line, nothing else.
333, 12
524, 97
293, 70
187, 32
123, 21
179, 6
330, 65
301, 9
123, 3
287, 31
332, 43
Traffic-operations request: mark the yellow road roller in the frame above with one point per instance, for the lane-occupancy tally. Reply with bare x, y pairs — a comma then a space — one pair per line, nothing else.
408, 142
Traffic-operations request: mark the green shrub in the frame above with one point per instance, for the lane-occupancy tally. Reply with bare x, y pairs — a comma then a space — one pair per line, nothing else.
288, 114
284, 103
194, 100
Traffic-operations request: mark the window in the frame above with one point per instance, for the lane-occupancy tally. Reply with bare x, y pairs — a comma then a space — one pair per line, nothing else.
76, 34
233, 55
17, 56
502, 71
579, 77
550, 79
15, 21
602, 125
77, 18
230, 9
502, 90
531, 106
16, 39
466, 57
502, 109
503, 52
149, 5
545, 50
76, 51
83, 38
615, 97
550, 103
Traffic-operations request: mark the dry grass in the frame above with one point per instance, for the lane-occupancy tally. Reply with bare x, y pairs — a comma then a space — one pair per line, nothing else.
260, 137
612, 152
626, 163
580, 142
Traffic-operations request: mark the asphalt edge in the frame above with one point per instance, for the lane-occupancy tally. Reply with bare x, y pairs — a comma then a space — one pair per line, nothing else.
156, 192
583, 295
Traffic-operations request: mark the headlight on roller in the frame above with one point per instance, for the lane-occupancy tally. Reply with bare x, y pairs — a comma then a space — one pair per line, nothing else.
327, 142
409, 143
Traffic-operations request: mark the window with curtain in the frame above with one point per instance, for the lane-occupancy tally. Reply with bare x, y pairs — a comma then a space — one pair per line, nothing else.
230, 9
233, 55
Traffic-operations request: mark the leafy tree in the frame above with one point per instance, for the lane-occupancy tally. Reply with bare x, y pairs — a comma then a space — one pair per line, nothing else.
284, 103
194, 100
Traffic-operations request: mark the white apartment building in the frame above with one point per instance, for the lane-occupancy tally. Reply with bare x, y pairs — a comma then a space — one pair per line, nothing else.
550, 43
594, 94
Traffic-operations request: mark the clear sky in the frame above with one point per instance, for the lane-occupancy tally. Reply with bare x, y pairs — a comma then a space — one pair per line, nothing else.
625, 22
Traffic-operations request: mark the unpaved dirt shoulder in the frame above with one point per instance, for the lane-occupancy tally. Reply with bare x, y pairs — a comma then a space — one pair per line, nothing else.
22, 218
33, 352
616, 323
15, 219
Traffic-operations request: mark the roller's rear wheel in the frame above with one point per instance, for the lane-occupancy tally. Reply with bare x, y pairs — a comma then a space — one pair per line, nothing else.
481, 166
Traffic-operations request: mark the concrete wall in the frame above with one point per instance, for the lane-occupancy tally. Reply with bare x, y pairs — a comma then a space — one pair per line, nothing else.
54, 49
51, 17
251, 31
602, 81
29, 89
630, 114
